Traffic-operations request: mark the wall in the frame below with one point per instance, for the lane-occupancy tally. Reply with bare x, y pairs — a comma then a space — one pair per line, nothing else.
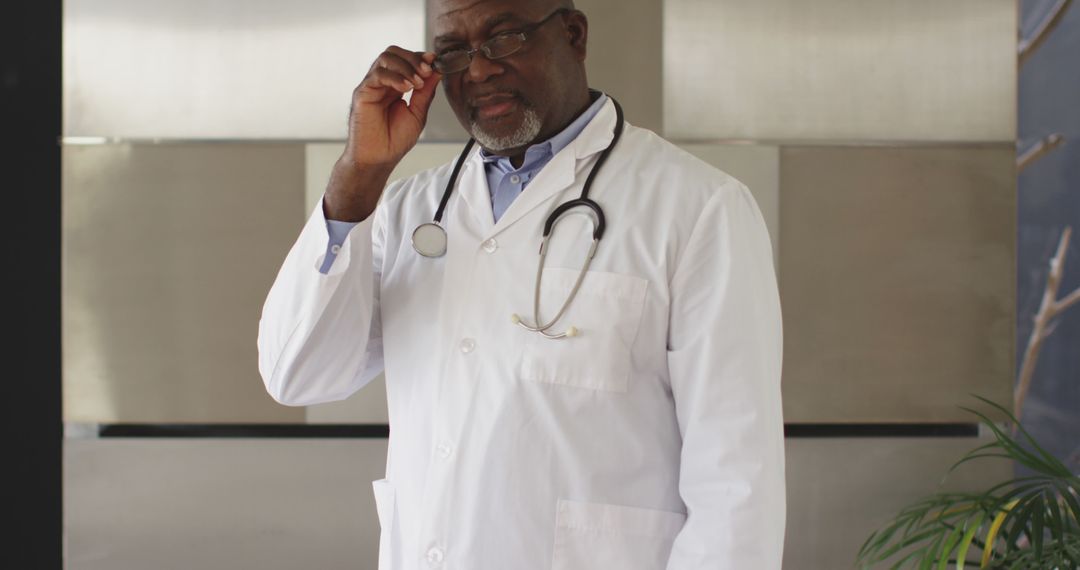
877, 137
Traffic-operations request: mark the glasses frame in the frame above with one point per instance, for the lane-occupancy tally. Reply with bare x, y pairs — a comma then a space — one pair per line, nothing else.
485, 47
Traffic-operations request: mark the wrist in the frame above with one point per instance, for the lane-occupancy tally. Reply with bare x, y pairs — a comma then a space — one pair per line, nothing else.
354, 190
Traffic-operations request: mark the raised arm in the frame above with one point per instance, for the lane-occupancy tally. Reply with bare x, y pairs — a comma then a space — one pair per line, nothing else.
320, 333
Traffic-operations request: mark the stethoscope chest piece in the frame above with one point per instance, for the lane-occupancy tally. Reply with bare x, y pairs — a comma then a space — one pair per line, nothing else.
429, 240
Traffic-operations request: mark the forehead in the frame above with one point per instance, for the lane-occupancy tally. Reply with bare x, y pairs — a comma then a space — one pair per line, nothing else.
459, 17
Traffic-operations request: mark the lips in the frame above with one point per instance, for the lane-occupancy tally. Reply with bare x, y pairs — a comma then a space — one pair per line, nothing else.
493, 105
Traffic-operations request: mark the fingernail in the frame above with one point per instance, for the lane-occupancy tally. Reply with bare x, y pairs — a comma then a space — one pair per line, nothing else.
425, 67
418, 81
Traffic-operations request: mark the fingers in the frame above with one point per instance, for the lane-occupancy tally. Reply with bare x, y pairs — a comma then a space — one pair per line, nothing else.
419, 63
422, 97
400, 70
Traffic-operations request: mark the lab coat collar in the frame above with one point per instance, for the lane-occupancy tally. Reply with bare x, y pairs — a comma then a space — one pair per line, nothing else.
556, 176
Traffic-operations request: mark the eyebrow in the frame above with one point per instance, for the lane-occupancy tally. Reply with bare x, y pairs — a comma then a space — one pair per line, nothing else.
491, 22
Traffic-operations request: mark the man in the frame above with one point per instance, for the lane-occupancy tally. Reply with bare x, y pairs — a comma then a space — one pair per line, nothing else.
649, 435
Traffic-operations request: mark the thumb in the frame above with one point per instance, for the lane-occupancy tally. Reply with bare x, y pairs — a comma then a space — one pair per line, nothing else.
422, 97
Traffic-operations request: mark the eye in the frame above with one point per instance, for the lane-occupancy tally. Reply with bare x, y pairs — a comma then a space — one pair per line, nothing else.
439, 52
504, 34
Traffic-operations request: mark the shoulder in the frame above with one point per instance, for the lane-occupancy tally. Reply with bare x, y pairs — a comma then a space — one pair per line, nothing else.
653, 157
423, 182
671, 178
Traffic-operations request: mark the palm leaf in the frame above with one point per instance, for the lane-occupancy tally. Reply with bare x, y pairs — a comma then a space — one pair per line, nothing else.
965, 543
1043, 509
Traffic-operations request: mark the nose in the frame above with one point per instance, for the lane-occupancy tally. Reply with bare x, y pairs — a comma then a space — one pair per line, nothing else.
481, 68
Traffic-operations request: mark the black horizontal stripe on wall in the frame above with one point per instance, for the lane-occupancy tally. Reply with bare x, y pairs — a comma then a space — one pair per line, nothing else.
356, 431
881, 430
376, 431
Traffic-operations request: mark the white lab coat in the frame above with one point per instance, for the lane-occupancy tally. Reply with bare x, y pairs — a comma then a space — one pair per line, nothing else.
652, 441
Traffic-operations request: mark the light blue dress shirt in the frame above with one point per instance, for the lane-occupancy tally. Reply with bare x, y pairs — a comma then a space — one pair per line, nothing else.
505, 182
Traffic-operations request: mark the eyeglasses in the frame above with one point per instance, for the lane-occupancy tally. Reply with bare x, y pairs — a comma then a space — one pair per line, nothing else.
497, 47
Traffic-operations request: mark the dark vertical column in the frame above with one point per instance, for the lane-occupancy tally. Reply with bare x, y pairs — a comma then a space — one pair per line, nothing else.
30, 112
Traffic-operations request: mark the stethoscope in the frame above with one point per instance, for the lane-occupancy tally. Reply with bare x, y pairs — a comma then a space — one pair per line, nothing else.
429, 239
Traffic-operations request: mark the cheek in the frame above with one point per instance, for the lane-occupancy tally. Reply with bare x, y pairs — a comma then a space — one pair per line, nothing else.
452, 91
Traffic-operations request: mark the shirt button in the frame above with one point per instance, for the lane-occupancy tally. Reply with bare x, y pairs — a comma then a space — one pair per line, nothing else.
515, 179
434, 556
334, 249
445, 449
490, 245
468, 345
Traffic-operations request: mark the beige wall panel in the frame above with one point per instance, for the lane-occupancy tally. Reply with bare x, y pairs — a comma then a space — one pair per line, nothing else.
756, 166
840, 490
319, 160
625, 56
168, 252
130, 504
239, 69
368, 405
235, 504
897, 281
624, 60
840, 70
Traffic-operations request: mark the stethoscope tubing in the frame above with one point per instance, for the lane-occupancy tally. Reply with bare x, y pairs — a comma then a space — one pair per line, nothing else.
582, 201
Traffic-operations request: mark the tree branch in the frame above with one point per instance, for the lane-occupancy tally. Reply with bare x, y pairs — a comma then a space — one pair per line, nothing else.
1053, 18
1038, 150
1048, 309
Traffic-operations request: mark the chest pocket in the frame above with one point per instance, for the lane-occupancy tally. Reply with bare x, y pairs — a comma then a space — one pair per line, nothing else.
606, 312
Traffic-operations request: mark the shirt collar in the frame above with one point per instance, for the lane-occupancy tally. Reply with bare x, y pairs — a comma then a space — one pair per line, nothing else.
552, 146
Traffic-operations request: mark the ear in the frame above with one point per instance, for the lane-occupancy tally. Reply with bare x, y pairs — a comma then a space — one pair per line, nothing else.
577, 30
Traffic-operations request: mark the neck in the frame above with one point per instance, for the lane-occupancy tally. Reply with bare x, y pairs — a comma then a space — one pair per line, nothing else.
517, 155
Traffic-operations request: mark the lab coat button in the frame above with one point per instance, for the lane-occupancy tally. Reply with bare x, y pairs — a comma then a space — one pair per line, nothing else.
468, 345
490, 245
434, 556
444, 449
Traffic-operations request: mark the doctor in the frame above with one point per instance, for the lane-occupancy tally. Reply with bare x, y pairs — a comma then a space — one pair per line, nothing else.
647, 434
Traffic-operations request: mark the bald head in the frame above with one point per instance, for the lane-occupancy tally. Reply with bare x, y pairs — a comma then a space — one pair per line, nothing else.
442, 8
509, 100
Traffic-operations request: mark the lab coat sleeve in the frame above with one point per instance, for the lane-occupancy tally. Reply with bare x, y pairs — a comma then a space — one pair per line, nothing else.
320, 334
724, 359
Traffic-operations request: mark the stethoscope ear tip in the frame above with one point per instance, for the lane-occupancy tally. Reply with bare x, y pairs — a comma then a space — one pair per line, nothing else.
514, 318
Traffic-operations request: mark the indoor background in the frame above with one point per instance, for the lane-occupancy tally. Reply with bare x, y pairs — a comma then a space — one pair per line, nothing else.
880, 139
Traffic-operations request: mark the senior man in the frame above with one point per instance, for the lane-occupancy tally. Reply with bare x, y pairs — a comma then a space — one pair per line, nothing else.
618, 409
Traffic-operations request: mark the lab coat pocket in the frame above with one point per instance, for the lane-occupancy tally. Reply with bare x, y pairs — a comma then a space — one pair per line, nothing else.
594, 536
385, 506
606, 314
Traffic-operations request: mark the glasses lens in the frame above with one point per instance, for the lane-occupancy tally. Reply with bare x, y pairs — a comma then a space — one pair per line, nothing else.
452, 61
503, 45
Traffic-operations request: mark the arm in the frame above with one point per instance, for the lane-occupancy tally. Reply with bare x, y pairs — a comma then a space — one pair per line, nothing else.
319, 336
313, 321
724, 358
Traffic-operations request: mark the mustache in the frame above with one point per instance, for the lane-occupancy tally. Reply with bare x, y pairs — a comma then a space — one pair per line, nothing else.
473, 99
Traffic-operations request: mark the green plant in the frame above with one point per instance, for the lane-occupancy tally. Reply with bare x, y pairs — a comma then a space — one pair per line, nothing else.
1026, 522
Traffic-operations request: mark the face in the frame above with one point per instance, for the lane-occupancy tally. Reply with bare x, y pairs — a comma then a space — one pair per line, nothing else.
508, 103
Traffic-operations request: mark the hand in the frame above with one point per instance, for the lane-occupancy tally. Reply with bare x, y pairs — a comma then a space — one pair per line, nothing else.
382, 129
382, 126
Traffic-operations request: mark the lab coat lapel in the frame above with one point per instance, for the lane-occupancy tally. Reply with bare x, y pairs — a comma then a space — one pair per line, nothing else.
473, 186
561, 172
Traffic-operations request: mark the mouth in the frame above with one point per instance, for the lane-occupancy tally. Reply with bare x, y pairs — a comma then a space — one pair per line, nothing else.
493, 105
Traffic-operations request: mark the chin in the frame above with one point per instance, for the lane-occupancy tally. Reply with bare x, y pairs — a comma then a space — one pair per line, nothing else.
497, 135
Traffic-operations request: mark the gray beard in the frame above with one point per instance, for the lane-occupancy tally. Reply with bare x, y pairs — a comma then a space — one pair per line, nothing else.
526, 133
